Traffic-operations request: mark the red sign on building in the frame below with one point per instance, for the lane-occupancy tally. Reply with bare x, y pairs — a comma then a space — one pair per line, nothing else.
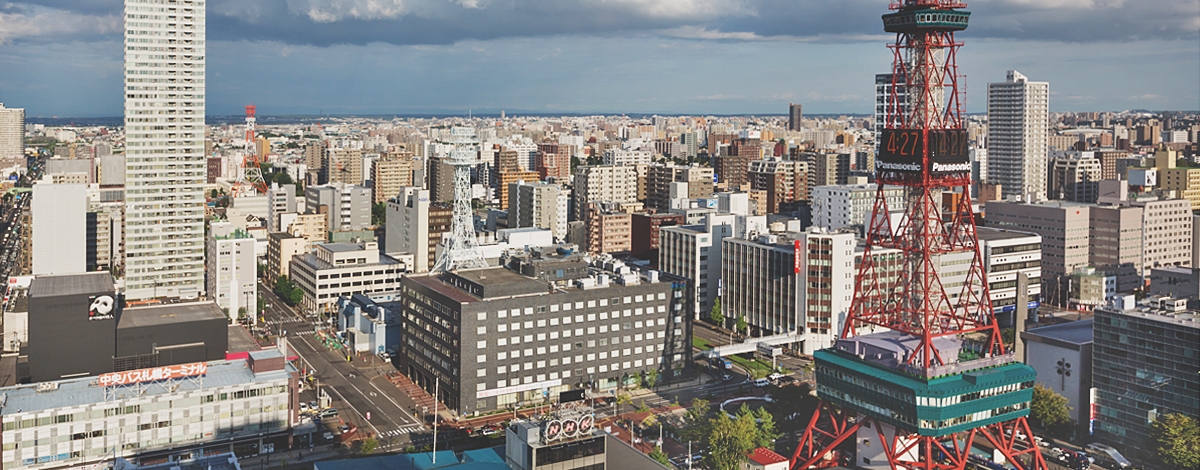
798, 260
153, 374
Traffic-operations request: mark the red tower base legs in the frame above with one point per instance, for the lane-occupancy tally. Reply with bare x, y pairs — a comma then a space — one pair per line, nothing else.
831, 433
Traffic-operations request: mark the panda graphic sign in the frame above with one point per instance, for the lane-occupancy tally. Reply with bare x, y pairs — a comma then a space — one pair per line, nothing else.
102, 307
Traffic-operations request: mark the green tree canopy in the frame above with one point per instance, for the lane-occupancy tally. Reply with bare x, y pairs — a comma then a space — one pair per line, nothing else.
1176, 438
729, 440
1049, 408
695, 420
369, 445
715, 314
661, 457
741, 325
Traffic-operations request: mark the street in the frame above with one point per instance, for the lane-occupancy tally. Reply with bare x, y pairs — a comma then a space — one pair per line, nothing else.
357, 388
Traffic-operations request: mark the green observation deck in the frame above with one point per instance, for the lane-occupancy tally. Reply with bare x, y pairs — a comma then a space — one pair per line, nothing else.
926, 19
867, 374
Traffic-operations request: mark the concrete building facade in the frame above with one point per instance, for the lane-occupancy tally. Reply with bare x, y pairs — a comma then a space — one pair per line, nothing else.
1018, 129
59, 228
232, 271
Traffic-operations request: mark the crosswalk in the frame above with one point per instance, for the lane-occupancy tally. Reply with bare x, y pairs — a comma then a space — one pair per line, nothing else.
286, 320
402, 431
299, 333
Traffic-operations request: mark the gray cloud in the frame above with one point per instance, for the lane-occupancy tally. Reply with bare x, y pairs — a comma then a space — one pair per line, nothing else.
418, 22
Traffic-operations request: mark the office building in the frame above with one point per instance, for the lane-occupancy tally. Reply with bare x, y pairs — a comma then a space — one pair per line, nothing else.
491, 338
119, 337
604, 183
1144, 363
693, 252
441, 179
343, 165
609, 229
313, 227
281, 248
826, 260
509, 177
1062, 356
627, 157
554, 161
886, 105
784, 181
659, 178
1075, 177
314, 160
280, 200
341, 269
1177, 282
732, 169
542, 205
345, 206
762, 285
1167, 238
1108, 162
175, 412
165, 165
645, 233
105, 229
415, 226
795, 117
59, 228
12, 132
232, 272
389, 174
828, 168
1185, 182
841, 206
1018, 129
1006, 255
1066, 238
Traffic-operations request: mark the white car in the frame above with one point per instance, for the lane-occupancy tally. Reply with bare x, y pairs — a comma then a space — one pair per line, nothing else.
775, 376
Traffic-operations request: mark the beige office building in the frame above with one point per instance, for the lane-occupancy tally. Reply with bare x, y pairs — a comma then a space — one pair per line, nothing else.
390, 174
604, 183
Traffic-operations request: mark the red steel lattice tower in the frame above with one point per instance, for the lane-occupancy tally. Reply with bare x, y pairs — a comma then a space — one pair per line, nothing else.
251, 179
920, 368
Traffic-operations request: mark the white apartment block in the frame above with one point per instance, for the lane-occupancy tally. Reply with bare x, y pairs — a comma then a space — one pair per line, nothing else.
627, 157
90, 420
1018, 135
605, 183
541, 205
839, 206
232, 271
827, 266
280, 200
165, 165
59, 228
12, 132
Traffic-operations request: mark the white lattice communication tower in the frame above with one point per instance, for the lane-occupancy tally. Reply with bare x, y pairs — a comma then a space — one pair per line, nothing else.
461, 248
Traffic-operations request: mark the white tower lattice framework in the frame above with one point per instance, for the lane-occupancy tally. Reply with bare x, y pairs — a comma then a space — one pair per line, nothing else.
461, 248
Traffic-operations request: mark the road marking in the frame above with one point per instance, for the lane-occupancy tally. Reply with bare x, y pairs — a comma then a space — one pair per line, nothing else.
343, 398
389, 398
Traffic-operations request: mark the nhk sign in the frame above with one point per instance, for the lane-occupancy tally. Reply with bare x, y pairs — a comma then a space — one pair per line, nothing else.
154, 374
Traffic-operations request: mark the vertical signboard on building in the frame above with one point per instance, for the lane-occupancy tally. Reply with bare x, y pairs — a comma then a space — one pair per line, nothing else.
796, 257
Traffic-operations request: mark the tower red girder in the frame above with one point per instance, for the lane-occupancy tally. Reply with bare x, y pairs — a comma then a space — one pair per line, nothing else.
922, 150
251, 179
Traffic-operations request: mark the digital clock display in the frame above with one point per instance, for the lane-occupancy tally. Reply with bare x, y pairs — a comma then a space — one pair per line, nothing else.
902, 150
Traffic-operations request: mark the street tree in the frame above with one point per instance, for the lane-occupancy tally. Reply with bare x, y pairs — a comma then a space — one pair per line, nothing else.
767, 433
715, 314
1176, 438
369, 445
1049, 408
661, 457
742, 327
695, 420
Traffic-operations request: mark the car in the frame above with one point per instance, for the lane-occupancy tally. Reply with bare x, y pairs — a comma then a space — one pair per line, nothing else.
313, 405
328, 413
775, 376
726, 378
489, 432
345, 428
762, 382
328, 436
303, 407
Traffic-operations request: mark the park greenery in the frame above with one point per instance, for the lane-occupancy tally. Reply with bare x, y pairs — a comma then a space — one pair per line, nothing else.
728, 438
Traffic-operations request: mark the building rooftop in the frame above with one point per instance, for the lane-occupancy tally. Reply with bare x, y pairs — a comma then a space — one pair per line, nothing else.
997, 234
478, 459
764, 456
71, 284
87, 390
494, 276
163, 314
342, 247
312, 260
1076, 332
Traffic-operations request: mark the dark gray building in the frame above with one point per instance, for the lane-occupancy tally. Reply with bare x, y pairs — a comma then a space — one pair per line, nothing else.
1145, 362
1062, 356
72, 326
495, 338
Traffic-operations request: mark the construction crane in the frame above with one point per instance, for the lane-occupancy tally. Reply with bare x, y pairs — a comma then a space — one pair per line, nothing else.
250, 180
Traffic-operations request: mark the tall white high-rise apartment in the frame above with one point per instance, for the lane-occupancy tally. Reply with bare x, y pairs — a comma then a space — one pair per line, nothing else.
165, 168
1018, 128
12, 132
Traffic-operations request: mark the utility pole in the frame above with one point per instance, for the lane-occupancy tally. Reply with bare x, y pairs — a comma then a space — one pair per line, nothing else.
436, 391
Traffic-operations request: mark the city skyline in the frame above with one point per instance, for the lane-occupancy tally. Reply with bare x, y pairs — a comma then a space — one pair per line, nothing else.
64, 58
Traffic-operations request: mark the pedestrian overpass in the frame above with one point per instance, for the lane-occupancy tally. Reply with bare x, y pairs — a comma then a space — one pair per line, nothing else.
751, 345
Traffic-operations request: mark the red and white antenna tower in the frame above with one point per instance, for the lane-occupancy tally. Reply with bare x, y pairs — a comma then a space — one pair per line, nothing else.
920, 374
250, 180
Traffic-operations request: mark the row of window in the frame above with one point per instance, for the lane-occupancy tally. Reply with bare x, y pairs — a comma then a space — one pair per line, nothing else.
136, 409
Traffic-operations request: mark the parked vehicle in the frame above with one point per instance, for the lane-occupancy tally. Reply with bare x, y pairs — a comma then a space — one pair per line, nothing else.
763, 382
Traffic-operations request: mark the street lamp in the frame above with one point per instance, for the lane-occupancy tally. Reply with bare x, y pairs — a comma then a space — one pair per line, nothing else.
1064, 370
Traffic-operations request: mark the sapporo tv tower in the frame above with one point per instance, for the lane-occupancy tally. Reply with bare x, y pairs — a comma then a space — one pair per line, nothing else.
920, 375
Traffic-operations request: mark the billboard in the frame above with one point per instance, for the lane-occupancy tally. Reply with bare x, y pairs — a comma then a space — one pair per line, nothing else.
102, 307
153, 374
796, 261
903, 150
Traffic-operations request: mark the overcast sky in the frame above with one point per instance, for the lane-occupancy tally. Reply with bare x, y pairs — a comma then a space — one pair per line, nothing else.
64, 57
